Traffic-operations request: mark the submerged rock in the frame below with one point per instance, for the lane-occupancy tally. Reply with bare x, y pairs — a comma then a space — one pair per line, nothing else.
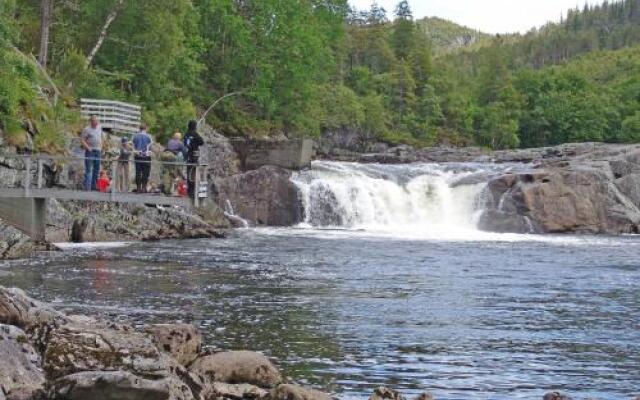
182, 341
555, 396
238, 367
383, 393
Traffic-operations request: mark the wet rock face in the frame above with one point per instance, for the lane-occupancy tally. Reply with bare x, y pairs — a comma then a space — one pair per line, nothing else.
182, 341
265, 196
238, 367
21, 374
568, 198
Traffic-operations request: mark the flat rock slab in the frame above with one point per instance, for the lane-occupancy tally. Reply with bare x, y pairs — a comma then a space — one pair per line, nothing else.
80, 347
20, 371
117, 385
238, 367
294, 392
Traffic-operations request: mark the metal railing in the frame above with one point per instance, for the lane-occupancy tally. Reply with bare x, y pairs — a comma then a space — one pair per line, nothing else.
43, 175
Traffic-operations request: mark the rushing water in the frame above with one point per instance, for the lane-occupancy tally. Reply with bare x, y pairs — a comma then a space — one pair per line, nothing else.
417, 300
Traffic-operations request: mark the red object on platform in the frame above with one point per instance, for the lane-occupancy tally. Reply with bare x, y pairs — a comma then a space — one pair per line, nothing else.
182, 189
103, 184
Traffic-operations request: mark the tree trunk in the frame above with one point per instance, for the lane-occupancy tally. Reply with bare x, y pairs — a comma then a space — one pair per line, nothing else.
103, 33
45, 24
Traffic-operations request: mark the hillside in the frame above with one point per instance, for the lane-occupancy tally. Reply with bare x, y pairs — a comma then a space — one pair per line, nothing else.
446, 36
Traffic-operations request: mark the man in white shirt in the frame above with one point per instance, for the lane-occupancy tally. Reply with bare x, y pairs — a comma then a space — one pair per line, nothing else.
91, 140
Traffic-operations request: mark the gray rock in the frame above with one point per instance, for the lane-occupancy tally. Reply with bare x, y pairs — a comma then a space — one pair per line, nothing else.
579, 197
117, 385
503, 222
630, 187
219, 390
21, 375
182, 341
238, 367
265, 196
14, 243
294, 392
78, 347
16, 308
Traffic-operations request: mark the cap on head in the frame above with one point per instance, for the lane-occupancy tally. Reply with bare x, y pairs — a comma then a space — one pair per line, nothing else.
193, 125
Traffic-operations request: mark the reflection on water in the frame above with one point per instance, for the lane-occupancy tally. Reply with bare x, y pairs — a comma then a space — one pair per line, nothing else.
347, 312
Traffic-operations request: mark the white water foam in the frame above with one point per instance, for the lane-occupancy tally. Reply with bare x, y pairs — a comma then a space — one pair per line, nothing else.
92, 245
405, 202
415, 199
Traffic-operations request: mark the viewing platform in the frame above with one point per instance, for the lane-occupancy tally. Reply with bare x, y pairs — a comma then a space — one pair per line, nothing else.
35, 178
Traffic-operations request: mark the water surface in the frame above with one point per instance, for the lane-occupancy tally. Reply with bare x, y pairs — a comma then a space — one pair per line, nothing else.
475, 317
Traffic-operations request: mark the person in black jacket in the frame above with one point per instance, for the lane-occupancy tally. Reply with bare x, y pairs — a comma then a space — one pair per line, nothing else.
192, 143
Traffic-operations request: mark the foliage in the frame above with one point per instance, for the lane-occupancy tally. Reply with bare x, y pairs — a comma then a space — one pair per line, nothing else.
301, 67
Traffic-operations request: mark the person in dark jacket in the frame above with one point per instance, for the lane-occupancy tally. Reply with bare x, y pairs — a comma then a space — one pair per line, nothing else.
192, 143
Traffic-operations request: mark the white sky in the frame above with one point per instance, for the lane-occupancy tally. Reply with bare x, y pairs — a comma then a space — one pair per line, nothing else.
491, 16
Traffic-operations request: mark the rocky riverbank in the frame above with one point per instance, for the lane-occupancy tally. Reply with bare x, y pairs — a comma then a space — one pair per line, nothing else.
47, 354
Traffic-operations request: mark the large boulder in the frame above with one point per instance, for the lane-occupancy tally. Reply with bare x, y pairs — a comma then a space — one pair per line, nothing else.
238, 367
562, 198
182, 341
78, 347
21, 375
294, 392
264, 196
117, 385
16, 308
14, 243
218, 154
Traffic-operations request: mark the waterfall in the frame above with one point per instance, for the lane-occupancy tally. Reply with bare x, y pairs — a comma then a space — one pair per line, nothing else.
435, 198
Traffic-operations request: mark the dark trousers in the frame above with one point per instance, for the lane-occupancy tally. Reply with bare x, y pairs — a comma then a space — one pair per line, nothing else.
143, 168
191, 175
91, 169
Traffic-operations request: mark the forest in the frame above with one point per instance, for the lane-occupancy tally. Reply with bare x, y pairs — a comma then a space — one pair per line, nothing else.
302, 67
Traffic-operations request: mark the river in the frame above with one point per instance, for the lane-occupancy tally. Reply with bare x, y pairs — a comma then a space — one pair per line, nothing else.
369, 291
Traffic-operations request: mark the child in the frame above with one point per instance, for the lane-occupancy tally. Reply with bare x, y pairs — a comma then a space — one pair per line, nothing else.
103, 182
182, 188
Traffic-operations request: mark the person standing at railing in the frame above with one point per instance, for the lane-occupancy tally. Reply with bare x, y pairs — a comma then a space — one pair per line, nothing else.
91, 140
192, 143
171, 155
122, 173
142, 150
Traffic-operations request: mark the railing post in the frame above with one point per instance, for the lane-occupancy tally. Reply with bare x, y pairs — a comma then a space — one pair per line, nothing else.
40, 166
27, 176
196, 189
114, 179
